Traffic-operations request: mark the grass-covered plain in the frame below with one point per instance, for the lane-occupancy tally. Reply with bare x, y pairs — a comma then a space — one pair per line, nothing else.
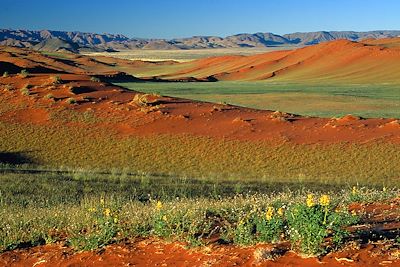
196, 157
322, 100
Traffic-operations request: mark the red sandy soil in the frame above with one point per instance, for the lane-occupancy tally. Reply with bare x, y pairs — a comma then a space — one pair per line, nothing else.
152, 252
336, 61
155, 252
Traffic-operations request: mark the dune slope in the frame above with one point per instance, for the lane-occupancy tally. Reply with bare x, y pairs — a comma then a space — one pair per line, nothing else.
336, 61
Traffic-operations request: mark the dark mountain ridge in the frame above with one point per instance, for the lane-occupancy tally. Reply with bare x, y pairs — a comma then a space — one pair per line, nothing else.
79, 41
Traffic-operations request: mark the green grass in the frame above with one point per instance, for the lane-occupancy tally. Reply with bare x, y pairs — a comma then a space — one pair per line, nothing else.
323, 100
183, 155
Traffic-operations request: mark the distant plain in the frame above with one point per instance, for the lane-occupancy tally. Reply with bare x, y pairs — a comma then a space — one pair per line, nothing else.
186, 55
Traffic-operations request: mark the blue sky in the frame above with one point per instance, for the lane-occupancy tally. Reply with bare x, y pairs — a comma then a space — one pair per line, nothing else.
185, 18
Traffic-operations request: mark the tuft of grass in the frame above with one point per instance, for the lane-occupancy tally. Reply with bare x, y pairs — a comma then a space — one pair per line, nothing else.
5, 74
24, 73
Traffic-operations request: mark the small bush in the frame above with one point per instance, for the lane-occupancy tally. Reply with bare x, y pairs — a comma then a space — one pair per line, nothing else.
25, 90
95, 79
71, 100
102, 232
56, 80
310, 223
188, 225
24, 73
49, 96
145, 100
257, 226
8, 87
5, 74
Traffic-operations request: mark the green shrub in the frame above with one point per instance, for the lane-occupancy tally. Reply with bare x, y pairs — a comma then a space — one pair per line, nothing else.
310, 223
101, 232
189, 225
257, 226
270, 225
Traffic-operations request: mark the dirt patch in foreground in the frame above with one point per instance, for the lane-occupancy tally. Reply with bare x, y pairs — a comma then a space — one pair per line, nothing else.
152, 252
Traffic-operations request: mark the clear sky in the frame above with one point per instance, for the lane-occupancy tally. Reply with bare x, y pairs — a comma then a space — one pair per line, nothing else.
185, 18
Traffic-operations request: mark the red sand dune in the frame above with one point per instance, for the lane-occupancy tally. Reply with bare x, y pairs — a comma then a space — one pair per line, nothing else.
338, 61
167, 115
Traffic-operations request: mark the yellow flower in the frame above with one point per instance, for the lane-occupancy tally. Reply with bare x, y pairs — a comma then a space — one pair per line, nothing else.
164, 218
269, 213
115, 219
107, 212
354, 191
91, 209
353, 212
159, 205
384, 189
310, 200
280, 211
324, 200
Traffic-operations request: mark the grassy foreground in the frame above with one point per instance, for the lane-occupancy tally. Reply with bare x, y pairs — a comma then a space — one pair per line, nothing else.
86, 212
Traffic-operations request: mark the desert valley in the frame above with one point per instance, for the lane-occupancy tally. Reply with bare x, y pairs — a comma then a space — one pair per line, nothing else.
247, 150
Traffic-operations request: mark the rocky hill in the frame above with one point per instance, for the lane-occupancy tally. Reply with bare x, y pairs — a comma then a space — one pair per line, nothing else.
79, 41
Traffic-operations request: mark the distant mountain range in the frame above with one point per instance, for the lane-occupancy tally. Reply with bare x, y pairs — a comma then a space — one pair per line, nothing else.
75, 42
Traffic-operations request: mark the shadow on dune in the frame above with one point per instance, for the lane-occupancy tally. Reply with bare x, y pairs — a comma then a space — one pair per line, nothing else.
15, 158
9, 67
14, 69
